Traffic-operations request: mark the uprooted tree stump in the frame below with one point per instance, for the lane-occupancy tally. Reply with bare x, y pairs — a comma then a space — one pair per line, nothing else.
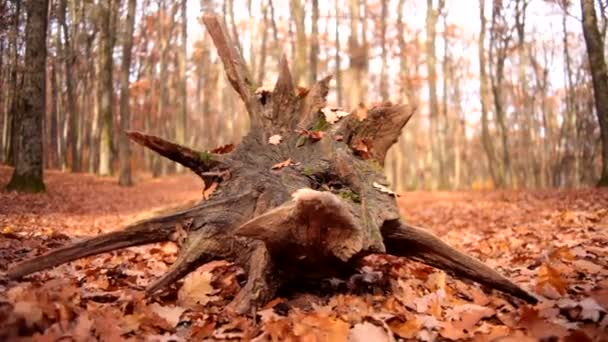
315, 218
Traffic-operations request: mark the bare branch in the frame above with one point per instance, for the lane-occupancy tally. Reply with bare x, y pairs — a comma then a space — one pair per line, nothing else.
234, 64
198, 162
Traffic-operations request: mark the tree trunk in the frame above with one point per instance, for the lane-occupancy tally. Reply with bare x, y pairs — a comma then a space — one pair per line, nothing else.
28, 173
314, 43
297, 14
499, 46
337, 58
383, 76
599, 74
69, 59
286, 223
435, 132
124, 150
182, 117
105, 92
9, 110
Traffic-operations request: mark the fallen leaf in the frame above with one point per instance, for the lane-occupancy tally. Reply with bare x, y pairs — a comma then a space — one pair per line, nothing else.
538, 326
197, 289
366, 331
332, 115
223, 149
384, 189
171, 314
408, 328
210, 190
275, 139
282, 164
586, 266
362, 148
549, 282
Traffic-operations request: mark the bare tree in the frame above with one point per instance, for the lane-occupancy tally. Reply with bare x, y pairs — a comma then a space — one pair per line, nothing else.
595, 53
105, 92
31, 104
124, 150
435, 134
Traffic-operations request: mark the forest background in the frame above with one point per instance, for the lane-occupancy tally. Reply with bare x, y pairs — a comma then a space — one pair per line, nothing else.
503, 89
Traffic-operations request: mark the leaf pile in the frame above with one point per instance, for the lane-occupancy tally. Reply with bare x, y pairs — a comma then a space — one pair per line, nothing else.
553, 243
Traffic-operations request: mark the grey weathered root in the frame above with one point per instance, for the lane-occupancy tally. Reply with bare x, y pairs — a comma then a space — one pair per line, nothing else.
158, 229
419, 244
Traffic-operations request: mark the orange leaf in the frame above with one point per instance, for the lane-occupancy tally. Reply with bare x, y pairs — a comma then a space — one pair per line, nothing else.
223, 149
282, 164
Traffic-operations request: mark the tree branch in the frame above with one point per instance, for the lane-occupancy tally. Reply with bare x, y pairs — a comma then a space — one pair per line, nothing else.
234, 64
198, 162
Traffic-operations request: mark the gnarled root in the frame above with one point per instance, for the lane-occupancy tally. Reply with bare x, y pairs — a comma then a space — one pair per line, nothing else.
157, 229
416, 243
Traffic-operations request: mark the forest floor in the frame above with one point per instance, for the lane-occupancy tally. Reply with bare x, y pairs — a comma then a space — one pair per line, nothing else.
551, 242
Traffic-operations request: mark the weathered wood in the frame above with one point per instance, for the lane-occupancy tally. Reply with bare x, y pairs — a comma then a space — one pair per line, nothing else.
234, 65
314, 101
312, 219
379, 130
158, 229
417, 243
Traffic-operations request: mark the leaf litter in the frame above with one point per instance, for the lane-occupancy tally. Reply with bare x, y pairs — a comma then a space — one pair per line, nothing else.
551, 242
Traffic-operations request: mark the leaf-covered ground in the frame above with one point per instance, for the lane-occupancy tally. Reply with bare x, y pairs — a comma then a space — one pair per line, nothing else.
553, 242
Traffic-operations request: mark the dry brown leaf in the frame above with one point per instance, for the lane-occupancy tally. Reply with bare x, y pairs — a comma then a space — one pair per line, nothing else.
406, 329
275, 139
197, 289
210, 190
538, 326
223, 149
587, 266
362, 148
549, 282
171, 314
333, 115
282, 164
366, 331
384, 189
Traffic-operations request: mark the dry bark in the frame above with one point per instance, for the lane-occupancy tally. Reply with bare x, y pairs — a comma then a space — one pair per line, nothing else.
313, 219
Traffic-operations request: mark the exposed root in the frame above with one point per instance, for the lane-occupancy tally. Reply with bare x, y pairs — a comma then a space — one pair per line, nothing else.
157, 229
197, 250
262, 280
416, 243
199, 162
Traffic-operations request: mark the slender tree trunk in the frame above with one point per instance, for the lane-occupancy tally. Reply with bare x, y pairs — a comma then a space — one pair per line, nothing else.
486, 139
383, 76
297, 13
9, 110
499, 46
569, 125
314, 43
263, 31
437, 159
599, 74
28, 173
105, 91
124, 151
337, 58
69, 58
182, 117
53, 139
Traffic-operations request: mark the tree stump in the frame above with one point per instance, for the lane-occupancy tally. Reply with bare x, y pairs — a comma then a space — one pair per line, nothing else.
316, 215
